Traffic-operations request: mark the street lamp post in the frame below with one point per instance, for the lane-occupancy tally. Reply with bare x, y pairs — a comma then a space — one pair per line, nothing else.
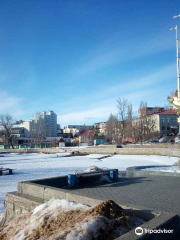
177, 55
175, 100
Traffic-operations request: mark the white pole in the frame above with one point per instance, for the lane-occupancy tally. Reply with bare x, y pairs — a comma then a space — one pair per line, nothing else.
177, 50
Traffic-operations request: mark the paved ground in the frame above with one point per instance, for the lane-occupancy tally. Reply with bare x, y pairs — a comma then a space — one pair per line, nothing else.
151, 193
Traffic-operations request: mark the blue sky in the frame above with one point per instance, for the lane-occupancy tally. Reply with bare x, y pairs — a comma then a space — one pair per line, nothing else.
77, 57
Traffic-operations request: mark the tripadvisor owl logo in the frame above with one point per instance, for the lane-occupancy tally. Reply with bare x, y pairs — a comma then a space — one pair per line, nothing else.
138, 231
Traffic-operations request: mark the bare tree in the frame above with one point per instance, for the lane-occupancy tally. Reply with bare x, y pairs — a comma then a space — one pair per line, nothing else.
6, 123
129, 111
167, 106
142, 121
122, 108
128, 131
125, 114
122, 112
84, 129
54, 143
143, 127
142, 109
112, 129
95, 133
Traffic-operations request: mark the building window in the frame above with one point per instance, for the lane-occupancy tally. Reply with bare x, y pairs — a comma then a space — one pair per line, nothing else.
172, 120
175, 120
168, 128
162, 120
163, 128
167, 120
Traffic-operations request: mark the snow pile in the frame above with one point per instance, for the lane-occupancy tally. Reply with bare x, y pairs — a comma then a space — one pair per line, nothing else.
177, 140
92, 169
64, 220
103, 178
161, 139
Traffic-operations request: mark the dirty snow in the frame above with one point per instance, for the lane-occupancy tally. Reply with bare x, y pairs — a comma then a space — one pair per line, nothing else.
36, 166
65, 220
161, 139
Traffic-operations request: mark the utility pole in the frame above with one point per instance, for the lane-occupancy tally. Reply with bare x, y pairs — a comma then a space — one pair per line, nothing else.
175, 101
177, 54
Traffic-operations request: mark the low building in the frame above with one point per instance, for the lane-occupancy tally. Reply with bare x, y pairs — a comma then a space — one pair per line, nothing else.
61, 143
86, 138
67, 137
18, 132
168, 122
164, 122
79, 127
22, 128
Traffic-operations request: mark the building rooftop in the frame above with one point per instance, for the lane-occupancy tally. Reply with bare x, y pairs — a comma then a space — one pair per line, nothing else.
168, 111
89, 133
173, 111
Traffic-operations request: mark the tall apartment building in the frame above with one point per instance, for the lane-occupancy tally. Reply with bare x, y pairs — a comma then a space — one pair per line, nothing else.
45, 123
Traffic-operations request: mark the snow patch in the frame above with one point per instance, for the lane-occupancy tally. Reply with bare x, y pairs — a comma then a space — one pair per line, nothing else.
175, 169
37, 166
1, 216
161, 139
92, 169
177, 140
58, 204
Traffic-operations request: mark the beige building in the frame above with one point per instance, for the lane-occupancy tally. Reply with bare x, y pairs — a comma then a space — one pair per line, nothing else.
102, 127
164, 122
27, 128
22, 129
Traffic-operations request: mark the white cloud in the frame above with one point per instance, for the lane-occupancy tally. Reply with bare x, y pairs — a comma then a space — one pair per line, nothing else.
110, 54
150, 88
129, 86
11, 105
86, 116
106, 107
149, 80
